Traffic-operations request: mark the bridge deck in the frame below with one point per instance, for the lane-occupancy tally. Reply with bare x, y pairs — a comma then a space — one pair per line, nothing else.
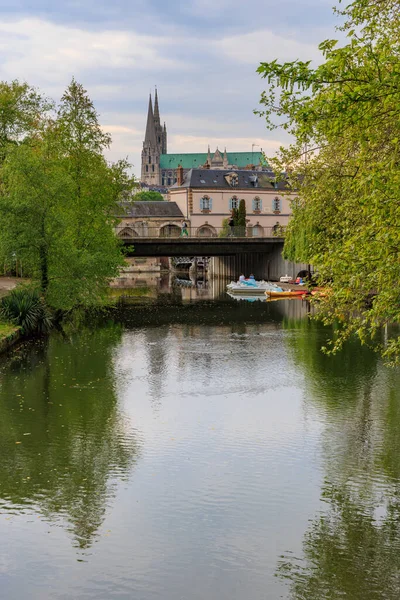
201, 246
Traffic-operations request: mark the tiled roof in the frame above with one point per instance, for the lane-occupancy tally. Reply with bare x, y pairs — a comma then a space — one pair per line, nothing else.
193, 161
215, 178
152, 209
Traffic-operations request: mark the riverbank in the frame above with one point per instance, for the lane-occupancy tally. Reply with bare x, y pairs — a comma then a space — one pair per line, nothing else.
9, 333
9, 283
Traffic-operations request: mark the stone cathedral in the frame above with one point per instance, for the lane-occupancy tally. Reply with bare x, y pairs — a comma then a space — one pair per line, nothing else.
159, 168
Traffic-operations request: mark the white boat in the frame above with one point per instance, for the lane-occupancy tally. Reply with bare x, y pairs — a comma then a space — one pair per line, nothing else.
248, 297
251, 287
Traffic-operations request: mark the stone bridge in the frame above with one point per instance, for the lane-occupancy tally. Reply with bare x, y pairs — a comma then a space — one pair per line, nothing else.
230, 256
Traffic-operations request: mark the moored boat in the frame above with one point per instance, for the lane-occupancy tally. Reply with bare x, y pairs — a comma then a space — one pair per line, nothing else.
251, 287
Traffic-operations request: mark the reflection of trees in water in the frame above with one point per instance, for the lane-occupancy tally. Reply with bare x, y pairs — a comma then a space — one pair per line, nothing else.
63, 410
347, 553
352, 549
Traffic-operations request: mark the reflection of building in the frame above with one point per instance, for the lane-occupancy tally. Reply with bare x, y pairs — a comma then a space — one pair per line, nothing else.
207, 196
161, 169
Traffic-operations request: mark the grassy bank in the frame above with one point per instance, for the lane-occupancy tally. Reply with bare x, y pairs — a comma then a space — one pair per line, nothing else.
7, 329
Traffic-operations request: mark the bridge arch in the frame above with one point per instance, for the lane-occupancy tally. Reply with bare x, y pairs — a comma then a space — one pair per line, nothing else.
170, 230
256, 230
206, 230
127, 232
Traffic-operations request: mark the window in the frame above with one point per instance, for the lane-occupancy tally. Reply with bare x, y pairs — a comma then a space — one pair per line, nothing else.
149, 160
147, 168
257, 204
276, 205
152, 168
233, 203
205, 203
163, 180
169, 181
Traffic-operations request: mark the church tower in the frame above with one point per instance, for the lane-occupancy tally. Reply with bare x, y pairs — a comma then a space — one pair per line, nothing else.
155, 144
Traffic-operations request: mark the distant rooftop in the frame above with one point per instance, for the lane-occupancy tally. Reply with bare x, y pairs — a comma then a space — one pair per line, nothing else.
151, 209
192, 161
220, 178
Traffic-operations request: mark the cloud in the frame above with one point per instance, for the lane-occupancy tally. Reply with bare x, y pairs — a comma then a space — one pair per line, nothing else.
202, 55
191, 143
257, 46
52, 53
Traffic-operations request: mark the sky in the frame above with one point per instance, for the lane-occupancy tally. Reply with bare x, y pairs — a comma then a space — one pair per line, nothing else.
201, 54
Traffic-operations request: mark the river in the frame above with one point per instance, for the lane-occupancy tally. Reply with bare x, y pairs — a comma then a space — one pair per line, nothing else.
207, 451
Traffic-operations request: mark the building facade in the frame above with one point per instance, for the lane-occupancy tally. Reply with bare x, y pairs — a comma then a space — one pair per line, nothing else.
206, 197
160, 169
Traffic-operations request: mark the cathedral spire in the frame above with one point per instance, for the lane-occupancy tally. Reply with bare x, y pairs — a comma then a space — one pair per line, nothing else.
156, 110
150, 136
209, 156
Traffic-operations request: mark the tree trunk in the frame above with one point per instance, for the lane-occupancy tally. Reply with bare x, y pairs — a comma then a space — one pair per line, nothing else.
44, 269
44, 263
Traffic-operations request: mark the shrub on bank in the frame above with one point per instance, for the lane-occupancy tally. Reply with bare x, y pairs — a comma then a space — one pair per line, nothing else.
25, 308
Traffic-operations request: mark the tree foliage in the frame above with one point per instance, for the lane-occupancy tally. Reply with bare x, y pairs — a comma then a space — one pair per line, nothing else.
58, 200
148, 196
22, 109
344, 162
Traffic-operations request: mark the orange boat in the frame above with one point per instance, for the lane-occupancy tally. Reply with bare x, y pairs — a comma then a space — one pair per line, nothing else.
286, 294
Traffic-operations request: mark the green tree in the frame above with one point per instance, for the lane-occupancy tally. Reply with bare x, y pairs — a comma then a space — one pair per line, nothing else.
148, 196
58, 202
241, 219
225, 229
21, 111
345, 164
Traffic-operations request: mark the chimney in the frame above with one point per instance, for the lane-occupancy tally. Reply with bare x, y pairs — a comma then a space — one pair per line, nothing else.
179, 175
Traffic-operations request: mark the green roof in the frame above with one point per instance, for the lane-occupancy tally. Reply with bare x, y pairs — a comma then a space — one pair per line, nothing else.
195, 161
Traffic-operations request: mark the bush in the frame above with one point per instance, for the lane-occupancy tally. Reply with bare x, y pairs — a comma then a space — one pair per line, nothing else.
25, 308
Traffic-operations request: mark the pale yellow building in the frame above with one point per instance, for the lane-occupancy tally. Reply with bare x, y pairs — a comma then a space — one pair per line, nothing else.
207, 196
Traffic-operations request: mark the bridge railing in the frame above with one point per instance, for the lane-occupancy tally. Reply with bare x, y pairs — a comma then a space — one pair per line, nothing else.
131, 232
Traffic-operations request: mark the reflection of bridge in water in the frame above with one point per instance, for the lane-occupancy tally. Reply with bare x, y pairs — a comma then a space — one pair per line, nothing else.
170, 291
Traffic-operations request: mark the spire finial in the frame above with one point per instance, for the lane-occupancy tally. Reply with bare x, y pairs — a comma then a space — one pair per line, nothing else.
156, 109
150, 136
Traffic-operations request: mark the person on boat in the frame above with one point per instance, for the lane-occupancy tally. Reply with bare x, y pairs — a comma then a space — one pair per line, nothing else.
242, 278
252, 278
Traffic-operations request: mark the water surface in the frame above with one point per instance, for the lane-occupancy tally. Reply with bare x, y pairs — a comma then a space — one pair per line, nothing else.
206, 452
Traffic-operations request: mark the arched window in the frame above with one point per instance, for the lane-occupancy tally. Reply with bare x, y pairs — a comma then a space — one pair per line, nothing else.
147, 168
205, 204
152, 168
257, 204
233, 202
276, 205
149, 160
